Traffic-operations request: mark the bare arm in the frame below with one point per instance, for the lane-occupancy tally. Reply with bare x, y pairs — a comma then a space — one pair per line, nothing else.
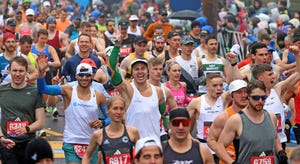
192, 108
227, 136
56, 62
170, 99
206, 155
64, 40
70, 49
94, 141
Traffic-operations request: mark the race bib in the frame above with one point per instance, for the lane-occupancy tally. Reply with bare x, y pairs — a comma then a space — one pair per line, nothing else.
114, 92
206, 127
11, 126
278, 123
262, 160
80, 149
118, 159
124, 51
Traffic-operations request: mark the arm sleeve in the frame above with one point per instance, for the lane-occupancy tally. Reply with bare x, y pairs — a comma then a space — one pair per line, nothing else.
48, 89
116, 77
164, 116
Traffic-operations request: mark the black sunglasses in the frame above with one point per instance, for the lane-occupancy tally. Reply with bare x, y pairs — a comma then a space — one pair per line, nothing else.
256, 97
84, 74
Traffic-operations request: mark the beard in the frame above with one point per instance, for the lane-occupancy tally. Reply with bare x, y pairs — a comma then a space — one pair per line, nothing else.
159, 49
256, 107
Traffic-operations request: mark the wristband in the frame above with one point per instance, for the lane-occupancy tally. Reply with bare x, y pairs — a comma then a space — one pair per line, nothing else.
234, 64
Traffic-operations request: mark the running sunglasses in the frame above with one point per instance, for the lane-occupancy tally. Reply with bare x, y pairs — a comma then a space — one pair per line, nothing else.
256, 97
84, 74
185, 122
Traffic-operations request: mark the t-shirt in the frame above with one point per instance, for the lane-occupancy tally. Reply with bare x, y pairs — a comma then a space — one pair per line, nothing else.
19, 109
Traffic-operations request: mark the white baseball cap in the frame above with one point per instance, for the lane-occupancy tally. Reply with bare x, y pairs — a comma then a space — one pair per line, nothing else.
29, 12
236, 85
84, 68
147, 141
133, 17
46, 4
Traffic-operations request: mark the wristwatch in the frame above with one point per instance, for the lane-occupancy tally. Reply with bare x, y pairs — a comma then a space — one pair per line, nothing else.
27, 128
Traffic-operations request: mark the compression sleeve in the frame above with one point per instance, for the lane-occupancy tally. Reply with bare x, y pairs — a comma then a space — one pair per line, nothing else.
106, 118
48, 89
116, 77
164, 117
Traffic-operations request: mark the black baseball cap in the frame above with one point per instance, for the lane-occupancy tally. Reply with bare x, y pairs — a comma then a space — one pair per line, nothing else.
163, 12
11, 22
123, 24
179, 112
173, 33
140, 39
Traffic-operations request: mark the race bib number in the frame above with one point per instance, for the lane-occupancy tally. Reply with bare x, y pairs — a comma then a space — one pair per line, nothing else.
118, 159
262, 160
206, 129
124, 51
11, 126
80, 149
278, 123
114, 93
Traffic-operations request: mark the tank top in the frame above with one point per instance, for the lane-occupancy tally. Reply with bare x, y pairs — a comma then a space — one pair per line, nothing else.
78, 115
207, 115
200, 52
291, 58
273, 104
55, 42
143, 113
213, 66
45, 50
4, 65
190, 66
117, 150
191, 156
137, 33
132, 58
179, 95
256, 141
297, 105
32, 59
230, 148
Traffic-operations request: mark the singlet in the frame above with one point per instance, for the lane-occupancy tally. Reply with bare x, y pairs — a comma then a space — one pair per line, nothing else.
200, 52
45, 50
273, 104
55, 41
143, 113
132, 58
207, 115
256, 141
32, 59
190, 66
117, 150
297, 105
137, 33
191, 156
78, 115
291, 58
179, 95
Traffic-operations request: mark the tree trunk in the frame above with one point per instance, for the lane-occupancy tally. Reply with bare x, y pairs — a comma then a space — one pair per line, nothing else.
209, 8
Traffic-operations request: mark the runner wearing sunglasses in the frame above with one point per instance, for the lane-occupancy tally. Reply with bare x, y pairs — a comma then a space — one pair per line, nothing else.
253, 132
81, 104
180, 148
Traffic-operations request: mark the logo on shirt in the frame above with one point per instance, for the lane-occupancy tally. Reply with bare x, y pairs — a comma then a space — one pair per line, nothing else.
106, 142
182, 162
117, 152
125, 139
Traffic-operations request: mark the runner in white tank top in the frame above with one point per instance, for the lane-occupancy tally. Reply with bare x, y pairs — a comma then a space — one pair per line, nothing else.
78, 115
142, 113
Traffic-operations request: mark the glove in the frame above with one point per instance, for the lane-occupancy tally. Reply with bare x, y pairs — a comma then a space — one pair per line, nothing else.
283, 159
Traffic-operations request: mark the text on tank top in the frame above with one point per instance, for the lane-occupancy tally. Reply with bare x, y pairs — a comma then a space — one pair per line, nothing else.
117, 150
207, 115
193, 155
256, 142
143, 113
78, 115
273, 104
215, 66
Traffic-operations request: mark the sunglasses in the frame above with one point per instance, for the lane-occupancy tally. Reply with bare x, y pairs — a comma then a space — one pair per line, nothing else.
185, 122
256, 97
84, 74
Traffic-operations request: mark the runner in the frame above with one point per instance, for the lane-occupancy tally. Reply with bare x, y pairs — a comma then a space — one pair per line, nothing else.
253, 131
181, 148
116, 140
81, 104
145, 102
22, 114
237, 90
148, 151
